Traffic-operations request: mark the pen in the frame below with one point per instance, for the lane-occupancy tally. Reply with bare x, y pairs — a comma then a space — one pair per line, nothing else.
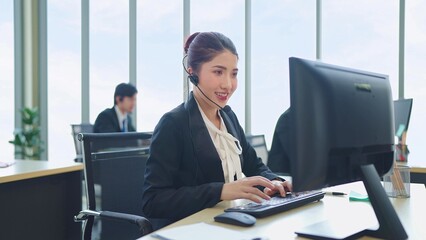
335, 193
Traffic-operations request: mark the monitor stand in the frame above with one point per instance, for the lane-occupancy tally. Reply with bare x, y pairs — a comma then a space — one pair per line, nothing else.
390, 226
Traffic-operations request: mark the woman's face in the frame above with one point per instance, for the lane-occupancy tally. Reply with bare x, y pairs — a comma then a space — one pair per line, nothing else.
218, 79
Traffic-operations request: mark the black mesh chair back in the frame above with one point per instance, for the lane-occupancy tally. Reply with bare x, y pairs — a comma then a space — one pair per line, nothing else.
259, 144
114, 173
76, 129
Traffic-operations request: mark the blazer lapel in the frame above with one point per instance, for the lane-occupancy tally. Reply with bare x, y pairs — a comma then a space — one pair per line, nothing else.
208, 159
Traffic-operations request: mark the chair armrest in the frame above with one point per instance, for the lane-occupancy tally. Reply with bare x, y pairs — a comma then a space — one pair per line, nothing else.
143, 224
85, 214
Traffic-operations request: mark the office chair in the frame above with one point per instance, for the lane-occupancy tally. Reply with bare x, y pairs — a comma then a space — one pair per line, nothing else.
259, 144
76, 129
115, 162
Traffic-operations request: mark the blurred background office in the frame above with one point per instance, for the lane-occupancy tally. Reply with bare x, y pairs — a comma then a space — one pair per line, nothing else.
66, 57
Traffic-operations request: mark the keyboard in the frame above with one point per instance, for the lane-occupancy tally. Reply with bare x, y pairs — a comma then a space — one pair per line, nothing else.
278, 204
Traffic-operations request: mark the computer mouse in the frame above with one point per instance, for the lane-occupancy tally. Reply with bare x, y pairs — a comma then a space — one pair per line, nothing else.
236, 218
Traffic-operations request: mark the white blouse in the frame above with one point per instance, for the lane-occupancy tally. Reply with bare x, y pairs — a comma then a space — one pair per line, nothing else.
227, 146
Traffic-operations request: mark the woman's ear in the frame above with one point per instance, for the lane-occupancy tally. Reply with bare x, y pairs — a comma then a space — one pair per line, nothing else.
190, 71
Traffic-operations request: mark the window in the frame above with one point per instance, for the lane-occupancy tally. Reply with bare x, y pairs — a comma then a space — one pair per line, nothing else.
64, 76
226, 17
109, 52
415, 78
7, 96
280, 29
363, 35
159, 60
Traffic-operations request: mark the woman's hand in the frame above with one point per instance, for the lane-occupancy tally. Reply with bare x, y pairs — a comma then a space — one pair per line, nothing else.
246, 188
280, 187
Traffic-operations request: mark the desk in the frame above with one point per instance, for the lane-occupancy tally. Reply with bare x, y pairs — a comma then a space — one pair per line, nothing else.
38, 200
411, 212
418, 174
417, 170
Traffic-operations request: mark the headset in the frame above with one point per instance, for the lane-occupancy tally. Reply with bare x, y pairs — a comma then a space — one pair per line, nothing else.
194, 80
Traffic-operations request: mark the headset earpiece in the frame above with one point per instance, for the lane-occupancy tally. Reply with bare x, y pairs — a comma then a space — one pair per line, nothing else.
193, 79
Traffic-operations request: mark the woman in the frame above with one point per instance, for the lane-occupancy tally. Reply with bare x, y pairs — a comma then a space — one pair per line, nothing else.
199, 152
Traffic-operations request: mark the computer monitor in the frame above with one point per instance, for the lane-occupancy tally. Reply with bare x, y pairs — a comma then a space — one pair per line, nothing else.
402, 110
343, 131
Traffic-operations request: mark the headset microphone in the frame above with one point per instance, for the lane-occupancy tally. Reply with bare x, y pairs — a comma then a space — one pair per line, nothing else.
196, 85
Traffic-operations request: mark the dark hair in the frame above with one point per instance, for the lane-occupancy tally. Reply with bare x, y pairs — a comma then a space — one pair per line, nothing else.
202, 47
124, 90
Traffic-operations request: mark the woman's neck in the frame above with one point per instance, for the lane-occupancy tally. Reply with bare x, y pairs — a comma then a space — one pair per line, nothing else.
210, 111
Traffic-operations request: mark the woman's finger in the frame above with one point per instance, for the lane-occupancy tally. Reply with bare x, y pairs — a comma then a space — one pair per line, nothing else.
260, 181
258, 193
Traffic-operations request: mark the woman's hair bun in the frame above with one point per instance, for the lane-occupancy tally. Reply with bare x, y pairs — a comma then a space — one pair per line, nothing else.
189, 41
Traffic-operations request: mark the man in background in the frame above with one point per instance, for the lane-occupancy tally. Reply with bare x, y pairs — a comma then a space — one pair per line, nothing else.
117, 119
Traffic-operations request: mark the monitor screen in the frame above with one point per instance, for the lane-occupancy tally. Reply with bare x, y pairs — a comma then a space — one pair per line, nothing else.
402, 110
343, 131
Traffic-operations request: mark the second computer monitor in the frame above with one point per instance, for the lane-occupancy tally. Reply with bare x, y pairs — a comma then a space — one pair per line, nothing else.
402, 110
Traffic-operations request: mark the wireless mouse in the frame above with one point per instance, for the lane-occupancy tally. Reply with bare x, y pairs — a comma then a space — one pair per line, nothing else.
236, 218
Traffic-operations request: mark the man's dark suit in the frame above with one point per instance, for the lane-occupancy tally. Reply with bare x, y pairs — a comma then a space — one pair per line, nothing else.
184, 173
107, 121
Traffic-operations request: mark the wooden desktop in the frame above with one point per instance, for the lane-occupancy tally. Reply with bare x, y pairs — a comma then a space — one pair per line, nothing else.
337, 209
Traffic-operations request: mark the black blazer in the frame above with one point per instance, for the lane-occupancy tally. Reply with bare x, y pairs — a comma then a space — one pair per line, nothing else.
279, 155
184, 172
107, 121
